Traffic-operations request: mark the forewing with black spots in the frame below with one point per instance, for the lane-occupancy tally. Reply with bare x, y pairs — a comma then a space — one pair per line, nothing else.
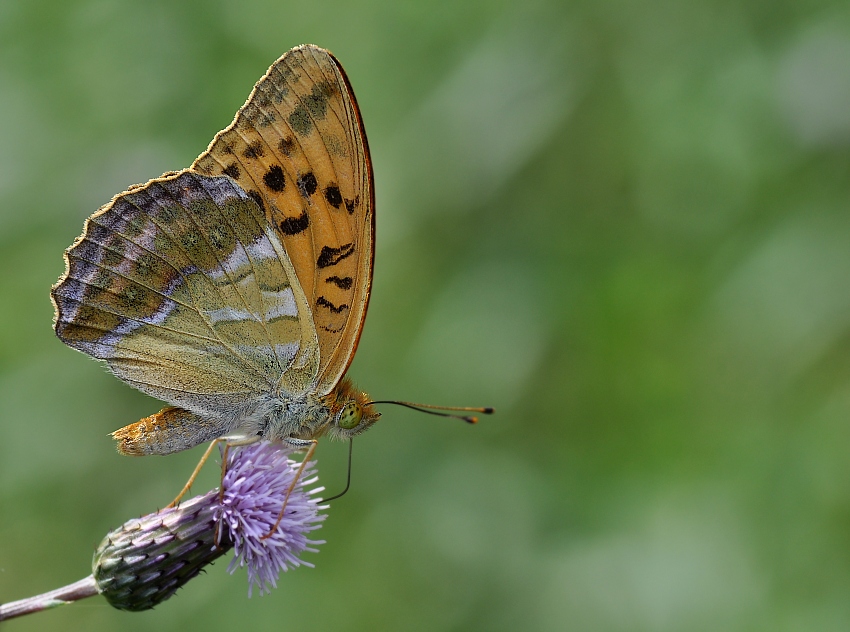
297, 147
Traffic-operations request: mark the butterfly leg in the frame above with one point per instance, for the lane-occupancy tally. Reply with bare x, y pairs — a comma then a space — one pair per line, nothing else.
297, 443
231, 443
227, 443
195, 473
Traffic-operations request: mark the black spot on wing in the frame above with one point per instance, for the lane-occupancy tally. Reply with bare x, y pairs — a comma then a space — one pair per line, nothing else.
231, 170
352, 204
332, 256
254, 150
295, 225
323, 302
333, 196
343, 283
274, 178
307, 184
286, 146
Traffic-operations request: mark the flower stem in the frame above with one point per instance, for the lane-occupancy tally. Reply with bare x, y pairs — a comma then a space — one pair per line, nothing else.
59, 597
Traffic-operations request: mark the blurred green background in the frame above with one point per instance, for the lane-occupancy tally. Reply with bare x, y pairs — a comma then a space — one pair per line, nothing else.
626, 225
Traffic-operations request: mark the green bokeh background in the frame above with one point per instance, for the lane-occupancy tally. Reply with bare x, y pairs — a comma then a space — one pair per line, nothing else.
626, 225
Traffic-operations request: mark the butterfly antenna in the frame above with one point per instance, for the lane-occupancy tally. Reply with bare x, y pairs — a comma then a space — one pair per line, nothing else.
348, 480
434, 410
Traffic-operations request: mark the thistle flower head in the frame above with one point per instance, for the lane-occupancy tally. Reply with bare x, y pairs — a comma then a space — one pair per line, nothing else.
145, 561
255, 486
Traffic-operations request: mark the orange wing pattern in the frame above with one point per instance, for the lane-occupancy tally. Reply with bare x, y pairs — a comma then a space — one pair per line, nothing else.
298, 148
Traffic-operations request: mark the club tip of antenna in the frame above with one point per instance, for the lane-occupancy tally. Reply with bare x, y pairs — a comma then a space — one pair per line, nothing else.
470, 420
488, 410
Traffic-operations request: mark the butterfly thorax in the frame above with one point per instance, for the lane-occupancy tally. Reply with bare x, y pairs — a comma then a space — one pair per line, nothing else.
341, 414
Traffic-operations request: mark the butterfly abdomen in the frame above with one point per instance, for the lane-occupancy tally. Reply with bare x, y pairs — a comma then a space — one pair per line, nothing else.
170, 430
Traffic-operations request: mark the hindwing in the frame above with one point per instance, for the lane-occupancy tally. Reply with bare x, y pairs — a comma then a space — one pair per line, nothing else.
182, 288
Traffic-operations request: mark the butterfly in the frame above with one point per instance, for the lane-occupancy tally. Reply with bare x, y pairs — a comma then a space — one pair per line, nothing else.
236, 290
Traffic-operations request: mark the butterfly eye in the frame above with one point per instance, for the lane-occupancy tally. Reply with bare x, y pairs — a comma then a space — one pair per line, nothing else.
349, 416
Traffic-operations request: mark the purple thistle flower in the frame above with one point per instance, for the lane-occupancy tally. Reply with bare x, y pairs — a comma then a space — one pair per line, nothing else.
145, 561
255, 486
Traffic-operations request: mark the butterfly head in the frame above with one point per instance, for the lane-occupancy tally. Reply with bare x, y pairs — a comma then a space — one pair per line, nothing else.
351, 411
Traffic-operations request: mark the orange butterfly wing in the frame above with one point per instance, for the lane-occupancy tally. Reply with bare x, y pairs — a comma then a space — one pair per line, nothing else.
298, 148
